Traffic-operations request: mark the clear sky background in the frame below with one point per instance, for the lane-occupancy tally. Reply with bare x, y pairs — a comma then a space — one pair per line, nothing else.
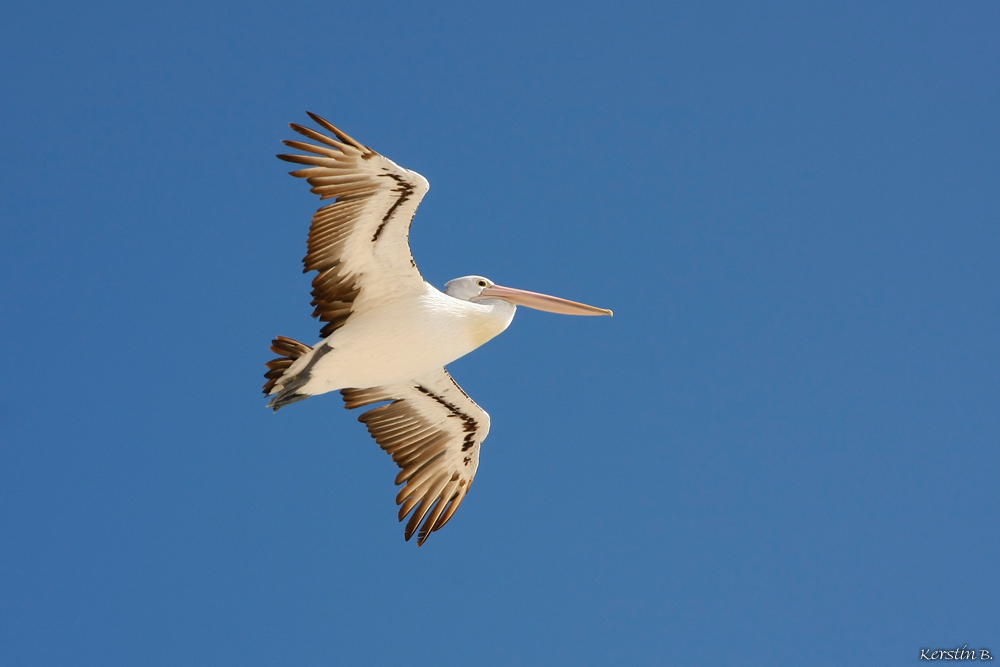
783, 449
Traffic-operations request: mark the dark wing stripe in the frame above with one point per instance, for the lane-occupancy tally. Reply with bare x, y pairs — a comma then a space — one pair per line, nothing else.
470, 425
432, 430
368, 191
405, 190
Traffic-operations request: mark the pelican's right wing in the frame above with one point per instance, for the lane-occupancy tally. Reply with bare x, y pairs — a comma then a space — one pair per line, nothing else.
433, 431
360, 243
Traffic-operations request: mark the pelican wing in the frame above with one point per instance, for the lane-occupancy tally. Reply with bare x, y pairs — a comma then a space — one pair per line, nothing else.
359, 244
433, 431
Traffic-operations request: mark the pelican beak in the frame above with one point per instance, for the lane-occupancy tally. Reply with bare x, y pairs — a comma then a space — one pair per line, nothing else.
550, 304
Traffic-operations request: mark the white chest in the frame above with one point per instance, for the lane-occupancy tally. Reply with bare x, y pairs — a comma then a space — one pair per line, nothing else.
406, 339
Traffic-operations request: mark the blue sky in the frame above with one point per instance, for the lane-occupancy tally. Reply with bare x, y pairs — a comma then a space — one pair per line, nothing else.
783, 449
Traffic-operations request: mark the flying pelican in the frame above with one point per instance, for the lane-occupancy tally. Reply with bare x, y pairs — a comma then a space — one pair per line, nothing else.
389, 334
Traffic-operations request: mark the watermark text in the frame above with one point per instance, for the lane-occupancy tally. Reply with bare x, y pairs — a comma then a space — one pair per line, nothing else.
964, 653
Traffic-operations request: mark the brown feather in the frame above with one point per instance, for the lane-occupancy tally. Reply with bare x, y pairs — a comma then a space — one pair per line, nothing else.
340, 135
290, 350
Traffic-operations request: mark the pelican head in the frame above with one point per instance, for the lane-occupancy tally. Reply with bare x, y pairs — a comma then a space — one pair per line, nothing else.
478, 289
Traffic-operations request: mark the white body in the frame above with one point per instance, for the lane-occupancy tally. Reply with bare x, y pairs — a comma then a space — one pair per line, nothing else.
388, 334
402, 339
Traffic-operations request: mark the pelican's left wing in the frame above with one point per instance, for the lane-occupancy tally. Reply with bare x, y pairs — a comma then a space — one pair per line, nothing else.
433, 431
360, 243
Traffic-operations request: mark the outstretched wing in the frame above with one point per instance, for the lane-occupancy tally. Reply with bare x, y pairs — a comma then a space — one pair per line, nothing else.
433, 431
360, 243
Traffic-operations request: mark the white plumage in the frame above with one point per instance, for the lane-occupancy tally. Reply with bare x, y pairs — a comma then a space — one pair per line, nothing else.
388, 333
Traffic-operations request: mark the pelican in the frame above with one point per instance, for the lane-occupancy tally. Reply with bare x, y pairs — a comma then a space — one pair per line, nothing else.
388, 333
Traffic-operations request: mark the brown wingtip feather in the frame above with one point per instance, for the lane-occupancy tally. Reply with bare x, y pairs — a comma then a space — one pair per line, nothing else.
434, 480
340, 135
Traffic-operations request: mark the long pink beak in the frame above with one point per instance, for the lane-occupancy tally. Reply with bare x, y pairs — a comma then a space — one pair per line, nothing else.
551, 304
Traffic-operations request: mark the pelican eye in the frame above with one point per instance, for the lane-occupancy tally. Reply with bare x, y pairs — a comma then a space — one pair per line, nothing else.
481, 283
